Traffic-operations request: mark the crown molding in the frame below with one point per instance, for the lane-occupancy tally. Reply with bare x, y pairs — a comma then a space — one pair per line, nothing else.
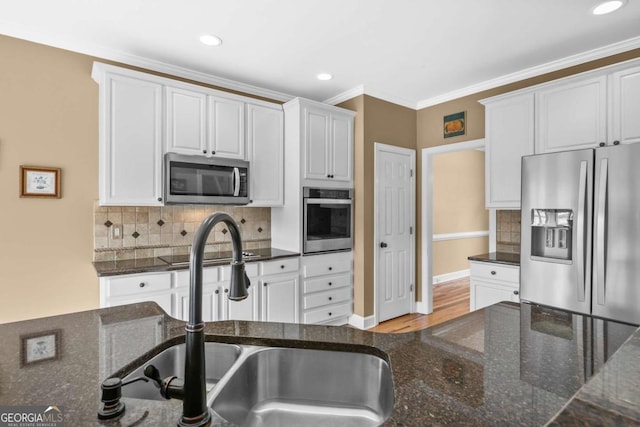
138, 61
569, 61
361, 90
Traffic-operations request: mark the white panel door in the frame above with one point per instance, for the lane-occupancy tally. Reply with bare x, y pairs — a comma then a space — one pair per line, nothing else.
186, 121
280, 300
625, 125
226, 128
509, 130
571, 116
341, 148
265, 140
316, 158
394, 199
131, 144
247, 309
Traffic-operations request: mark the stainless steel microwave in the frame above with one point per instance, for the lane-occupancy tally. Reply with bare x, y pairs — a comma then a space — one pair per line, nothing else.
205, 180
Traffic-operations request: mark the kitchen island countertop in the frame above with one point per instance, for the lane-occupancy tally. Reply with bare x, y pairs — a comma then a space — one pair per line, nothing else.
507, 364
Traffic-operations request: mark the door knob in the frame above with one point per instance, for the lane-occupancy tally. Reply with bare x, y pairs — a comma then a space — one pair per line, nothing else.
383, 245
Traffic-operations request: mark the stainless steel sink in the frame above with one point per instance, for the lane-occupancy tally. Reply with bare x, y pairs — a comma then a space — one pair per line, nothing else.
292, 386
219, 358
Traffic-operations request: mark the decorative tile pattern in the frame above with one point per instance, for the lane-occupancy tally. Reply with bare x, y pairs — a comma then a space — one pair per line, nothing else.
171, 229
508, 231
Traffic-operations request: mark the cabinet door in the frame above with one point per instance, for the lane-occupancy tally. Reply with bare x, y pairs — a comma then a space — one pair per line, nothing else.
487, 293
211, 307
265, 141
280, 299
226, 128
625, 126
246, 309
571, 115
509, 133
316, 157
186, 121
341, 157
130, 142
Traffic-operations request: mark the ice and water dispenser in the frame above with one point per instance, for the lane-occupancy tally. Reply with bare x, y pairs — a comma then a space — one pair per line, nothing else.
551, 234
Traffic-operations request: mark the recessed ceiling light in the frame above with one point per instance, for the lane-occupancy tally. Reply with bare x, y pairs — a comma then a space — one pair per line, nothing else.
210, 40
607, 7
324, 76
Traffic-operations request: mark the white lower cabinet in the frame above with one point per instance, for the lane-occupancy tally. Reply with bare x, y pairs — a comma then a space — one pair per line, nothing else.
134, 288
274, 294
327, 288
280, 295
492, 283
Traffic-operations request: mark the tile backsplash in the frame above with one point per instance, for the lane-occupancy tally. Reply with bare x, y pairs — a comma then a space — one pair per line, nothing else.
168, 230
508, 231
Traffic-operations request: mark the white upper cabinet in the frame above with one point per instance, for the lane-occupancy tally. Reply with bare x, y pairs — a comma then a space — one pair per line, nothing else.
186, 121
226, 128
265, 144
130, 141
509, 128
327, 143
625, 106
571, 115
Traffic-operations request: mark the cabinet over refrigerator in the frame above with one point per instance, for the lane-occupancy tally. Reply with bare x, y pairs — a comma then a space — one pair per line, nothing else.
581, 231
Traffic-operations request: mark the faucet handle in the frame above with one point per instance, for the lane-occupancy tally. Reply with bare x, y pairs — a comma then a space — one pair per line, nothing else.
170, 387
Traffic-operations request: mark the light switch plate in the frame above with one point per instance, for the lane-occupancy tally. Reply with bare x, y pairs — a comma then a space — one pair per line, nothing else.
40, 347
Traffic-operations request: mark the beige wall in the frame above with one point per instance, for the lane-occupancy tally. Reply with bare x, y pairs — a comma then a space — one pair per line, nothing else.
48, 117
376, 121
458, 206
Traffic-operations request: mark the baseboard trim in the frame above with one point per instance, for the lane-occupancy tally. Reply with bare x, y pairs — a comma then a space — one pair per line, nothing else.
361, 322
455, 275
421, 308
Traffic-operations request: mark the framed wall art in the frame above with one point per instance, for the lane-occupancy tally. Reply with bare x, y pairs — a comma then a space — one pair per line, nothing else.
39, 181
455, 124
40, 347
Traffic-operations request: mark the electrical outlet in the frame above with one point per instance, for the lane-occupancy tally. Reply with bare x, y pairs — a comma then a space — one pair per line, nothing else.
116, 232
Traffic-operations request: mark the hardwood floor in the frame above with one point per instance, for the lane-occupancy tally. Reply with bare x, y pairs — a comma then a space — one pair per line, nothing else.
450, 300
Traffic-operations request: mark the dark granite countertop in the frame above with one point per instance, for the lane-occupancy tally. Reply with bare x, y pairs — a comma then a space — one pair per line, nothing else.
507, 258
506, 364
148, 265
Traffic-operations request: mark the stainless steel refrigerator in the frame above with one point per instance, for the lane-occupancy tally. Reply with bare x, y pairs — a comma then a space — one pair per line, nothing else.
580, 231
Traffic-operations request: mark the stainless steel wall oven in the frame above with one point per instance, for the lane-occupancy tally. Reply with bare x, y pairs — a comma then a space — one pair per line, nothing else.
327, 220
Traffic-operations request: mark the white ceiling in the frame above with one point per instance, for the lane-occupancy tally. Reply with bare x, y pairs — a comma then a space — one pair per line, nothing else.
412, 52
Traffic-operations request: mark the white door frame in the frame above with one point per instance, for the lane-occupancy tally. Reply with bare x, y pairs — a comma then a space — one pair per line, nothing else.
380, 147
426, 305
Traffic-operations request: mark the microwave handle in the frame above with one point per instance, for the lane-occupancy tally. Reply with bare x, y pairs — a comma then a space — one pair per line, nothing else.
236, 180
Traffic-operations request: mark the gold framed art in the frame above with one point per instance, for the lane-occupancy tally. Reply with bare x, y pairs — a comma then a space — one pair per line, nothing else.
40, 181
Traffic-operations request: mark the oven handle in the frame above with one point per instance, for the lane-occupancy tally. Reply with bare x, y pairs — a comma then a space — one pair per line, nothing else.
311, 201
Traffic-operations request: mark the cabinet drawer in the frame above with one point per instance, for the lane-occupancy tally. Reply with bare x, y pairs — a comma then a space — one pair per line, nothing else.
251, 269
326, 283
327, 313
323, 298
330, 266
492, 271
209, 275
137, 284
286, 265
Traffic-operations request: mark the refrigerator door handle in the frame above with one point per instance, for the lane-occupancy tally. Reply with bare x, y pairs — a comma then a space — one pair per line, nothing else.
580, 227
601, 227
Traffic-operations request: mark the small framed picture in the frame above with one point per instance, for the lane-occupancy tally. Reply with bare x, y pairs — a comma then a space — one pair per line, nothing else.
39, 181
455, 124
40, 347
